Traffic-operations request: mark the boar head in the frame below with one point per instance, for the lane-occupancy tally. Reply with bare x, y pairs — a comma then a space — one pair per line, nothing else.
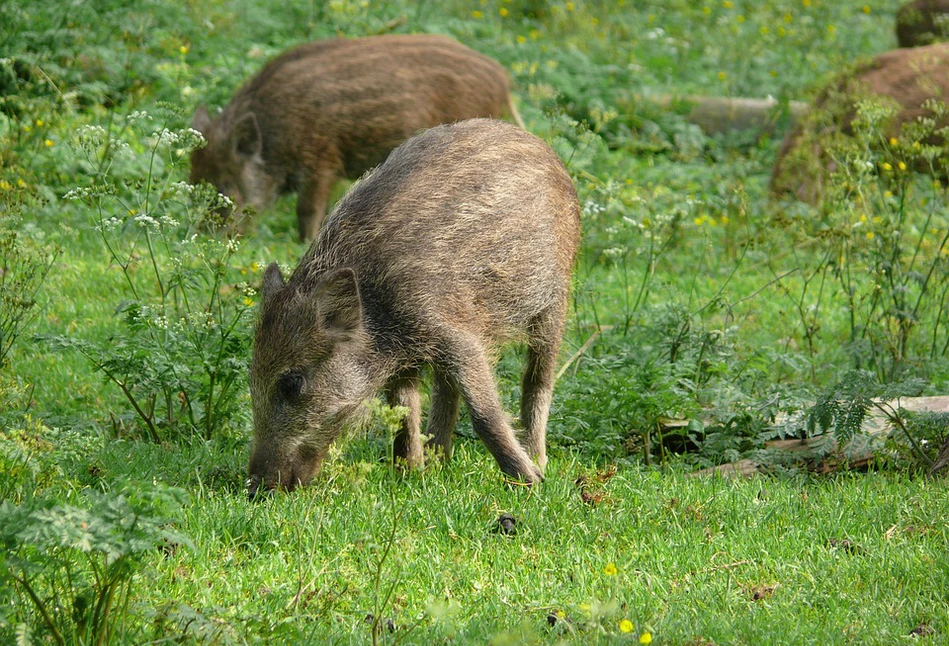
232, 160
309, 376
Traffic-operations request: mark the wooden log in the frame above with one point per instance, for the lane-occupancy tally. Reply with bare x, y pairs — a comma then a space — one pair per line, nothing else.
717, 114
856, 455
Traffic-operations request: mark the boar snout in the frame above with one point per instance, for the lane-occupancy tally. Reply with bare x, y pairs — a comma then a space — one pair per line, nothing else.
253, 489
269, 472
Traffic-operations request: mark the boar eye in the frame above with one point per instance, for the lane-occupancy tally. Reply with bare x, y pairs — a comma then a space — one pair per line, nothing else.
290, 385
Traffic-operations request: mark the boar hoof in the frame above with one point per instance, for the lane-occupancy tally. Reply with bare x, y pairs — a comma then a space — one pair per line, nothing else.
409, 463
528, 475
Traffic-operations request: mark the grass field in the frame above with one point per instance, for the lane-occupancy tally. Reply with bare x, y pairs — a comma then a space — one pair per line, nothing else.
123, 396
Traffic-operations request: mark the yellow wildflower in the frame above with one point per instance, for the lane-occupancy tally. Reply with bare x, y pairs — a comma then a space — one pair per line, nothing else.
902, 166
521, 40
894, 141
5, 185
740, 18
570, 6
39, 123
865, 9
722, 76
49, 143
184, 49
248, 301
886, 166
645, 638
477, 14
20, 182
706, 10
626, 626
728, 4
610, 569
503, 11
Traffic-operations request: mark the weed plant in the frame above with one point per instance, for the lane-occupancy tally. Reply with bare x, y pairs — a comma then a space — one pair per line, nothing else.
181, 354
74, 564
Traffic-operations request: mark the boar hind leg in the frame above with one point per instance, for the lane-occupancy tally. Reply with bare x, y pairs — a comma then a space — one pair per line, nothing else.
476, 383
443, 414
312, 202
537, 387
403, 391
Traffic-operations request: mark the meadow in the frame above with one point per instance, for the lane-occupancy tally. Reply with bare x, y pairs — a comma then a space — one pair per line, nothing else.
126, 315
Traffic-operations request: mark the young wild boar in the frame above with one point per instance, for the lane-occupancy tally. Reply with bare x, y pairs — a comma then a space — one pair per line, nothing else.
913, 82
462, 240
335, 108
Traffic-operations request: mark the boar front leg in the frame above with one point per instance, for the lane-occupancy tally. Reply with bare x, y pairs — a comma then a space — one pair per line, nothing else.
312, 201
476, 382
443, 414
403, 390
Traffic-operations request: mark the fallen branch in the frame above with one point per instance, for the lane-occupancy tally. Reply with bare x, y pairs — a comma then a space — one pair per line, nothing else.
875, 425
718, 114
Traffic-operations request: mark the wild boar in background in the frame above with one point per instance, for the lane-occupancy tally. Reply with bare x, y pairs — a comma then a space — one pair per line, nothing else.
334, 109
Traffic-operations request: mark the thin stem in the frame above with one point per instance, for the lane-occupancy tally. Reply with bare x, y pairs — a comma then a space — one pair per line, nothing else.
895, 419
47, 619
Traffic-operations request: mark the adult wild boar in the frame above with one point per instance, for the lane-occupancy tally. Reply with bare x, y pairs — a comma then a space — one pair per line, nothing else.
462, 240
334, 109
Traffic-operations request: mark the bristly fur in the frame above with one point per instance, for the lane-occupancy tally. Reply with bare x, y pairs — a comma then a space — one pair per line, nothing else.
463, 240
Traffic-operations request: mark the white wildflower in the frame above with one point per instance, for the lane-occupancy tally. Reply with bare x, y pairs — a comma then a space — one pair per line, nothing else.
78, 193
146, 221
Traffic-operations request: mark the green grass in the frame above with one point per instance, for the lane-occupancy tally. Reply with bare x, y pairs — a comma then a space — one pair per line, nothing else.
690, 554
715, 303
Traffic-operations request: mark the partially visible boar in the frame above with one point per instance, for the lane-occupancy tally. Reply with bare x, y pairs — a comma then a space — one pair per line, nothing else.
464, 239
334, 109
904, 79
922, 22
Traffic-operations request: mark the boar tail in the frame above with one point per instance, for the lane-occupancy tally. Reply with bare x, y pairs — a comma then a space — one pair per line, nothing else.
514, 113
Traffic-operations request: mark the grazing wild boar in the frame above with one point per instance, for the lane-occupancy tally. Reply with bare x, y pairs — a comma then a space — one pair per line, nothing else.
462, 240
334, 109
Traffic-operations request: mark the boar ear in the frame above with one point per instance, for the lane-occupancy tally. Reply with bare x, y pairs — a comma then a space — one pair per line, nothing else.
339, 305
245, 136
201, 120
273, 282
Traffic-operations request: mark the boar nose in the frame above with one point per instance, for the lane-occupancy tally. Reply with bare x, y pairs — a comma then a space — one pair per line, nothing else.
255, 492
